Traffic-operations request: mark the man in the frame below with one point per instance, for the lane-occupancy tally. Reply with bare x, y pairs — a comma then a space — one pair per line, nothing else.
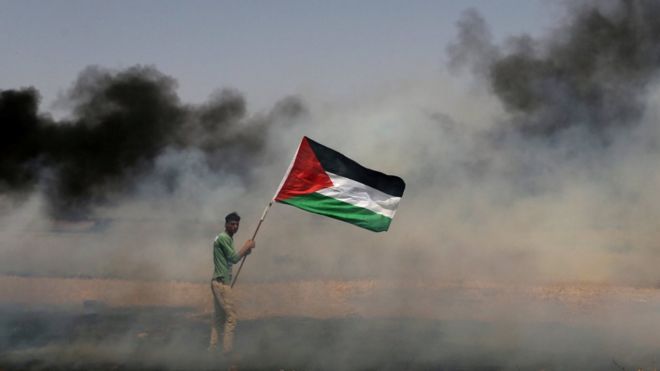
224, 256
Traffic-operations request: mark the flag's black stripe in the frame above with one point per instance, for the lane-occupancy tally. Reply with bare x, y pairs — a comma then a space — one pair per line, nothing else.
336, 163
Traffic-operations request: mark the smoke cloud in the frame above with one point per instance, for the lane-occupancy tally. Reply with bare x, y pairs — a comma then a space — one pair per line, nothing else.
545, 175
122, 121
572, 146
555, 188
594, 71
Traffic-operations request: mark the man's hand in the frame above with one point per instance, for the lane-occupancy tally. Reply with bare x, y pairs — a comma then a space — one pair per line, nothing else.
247, 247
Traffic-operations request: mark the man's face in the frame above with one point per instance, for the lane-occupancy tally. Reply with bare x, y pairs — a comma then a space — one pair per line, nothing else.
231, 227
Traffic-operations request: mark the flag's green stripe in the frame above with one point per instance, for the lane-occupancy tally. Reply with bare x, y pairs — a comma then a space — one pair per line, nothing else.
328, 206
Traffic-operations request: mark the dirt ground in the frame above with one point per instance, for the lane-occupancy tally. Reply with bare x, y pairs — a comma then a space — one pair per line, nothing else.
329, 299
66, 323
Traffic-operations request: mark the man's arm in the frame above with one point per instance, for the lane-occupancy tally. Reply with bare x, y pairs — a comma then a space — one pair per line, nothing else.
231, 254
247, 248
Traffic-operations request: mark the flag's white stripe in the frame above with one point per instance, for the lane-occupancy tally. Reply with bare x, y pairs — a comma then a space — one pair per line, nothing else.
361, 195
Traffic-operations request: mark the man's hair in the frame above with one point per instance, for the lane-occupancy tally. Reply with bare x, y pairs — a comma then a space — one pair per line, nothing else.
233, 216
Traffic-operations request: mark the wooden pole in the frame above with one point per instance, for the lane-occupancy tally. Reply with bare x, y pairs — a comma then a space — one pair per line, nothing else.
263, 216
254, 235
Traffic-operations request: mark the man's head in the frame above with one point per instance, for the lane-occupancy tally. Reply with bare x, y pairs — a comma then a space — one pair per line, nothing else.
232, 221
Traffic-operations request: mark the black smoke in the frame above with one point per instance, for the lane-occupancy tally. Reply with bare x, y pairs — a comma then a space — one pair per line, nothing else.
591, 73
121, 121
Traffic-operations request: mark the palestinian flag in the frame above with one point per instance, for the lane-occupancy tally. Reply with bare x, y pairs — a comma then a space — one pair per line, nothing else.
323, 181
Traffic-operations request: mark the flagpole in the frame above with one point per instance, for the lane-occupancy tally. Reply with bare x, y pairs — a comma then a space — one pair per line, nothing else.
263, 216
254, 235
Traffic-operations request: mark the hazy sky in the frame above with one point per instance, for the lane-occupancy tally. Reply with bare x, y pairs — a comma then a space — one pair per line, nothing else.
265, 49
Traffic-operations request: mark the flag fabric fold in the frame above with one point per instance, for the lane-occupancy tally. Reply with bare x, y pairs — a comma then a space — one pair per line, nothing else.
323, 181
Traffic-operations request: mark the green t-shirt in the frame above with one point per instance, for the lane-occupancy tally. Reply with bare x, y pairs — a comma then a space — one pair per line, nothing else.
224, 256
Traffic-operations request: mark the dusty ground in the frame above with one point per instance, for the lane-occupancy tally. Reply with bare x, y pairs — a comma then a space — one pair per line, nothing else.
329, 299
59, 323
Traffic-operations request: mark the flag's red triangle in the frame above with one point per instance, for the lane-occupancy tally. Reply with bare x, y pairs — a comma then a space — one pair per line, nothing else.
306, 176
